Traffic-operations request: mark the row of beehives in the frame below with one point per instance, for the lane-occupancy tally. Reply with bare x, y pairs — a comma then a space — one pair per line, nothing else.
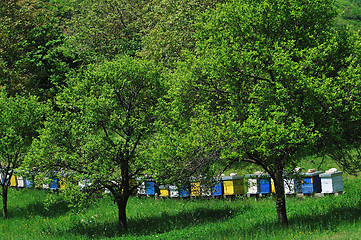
22, 182
257, 184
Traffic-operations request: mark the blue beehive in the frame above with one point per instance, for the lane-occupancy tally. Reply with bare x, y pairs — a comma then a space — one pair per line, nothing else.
217, 189
311, 182
151, 188
53, 184
184, 192
29, 182
264, 184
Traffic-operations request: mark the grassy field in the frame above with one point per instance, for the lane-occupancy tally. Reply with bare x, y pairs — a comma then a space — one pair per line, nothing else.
330, 217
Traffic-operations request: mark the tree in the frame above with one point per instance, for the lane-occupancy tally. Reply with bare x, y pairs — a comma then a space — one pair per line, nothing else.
104, 115
20, 118
31, 60
274, 80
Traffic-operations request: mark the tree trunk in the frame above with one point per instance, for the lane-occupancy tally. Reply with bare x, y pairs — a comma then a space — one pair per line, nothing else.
122, 214
5, 200
280, 198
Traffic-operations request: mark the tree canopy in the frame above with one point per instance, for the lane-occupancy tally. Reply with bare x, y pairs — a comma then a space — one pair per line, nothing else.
104, 115
276, 79
20, 118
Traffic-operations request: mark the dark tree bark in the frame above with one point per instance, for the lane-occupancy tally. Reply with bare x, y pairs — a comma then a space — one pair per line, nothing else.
280, 198
122, 214
5, 200
122, 195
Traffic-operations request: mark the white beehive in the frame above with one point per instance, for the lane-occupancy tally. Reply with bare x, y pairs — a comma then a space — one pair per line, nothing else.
84, 183
292, 186
206, 190
289, 186
21, 181
141, 189
173, 191
331, 182
253, 184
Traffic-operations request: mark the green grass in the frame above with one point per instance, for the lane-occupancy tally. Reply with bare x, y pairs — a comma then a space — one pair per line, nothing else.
330, 217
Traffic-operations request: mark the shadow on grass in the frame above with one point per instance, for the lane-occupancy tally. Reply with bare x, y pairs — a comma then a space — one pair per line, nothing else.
36, 207
327, 221
147, 226
153, 225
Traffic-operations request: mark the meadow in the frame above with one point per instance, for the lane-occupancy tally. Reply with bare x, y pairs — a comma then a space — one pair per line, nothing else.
37, 214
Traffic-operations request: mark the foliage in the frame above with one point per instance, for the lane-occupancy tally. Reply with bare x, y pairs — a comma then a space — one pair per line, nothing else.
104, 115
272, 80
20, 118
349, 13
170, 29
101, 30
29, 55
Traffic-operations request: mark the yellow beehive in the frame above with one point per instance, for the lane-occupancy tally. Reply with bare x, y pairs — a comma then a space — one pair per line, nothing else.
62, 183
273, 189
66, 181
163, 191
195, 189
233, 185
133, 186
13, 181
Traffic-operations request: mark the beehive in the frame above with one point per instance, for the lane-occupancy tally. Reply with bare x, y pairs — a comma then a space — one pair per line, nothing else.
62, 183
53, 185
141, 188
133, 186
206, 190
29, 182
38, 183
68, 180
265, 184
292, 185
258, 184
233, 185
13, 181
21, 181
84, 183
217, 189
163, 191
331, 182
151, 188
273, 188
195, 187
173, 191
184, 191
311, 182
253, 184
